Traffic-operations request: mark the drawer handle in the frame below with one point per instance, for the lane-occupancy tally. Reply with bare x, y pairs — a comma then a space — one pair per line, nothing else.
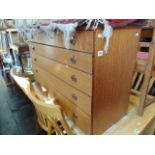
33, 47
75, 116
35, 59
73, 41
74, 78
74, 97
36, 70
73, 59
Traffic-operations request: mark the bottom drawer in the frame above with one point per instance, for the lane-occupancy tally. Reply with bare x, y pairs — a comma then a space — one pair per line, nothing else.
71, 110
75, 114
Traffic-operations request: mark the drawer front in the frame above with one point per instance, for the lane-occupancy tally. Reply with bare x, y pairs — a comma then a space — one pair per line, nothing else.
77, 79
79, 117
77, 97
83, 40
78, 60
75, 114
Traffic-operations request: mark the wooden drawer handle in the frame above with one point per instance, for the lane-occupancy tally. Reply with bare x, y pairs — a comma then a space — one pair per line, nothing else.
33, 47
35, 59
74, 78
75, 116
36, 70
74, 97
73, 59
73, 41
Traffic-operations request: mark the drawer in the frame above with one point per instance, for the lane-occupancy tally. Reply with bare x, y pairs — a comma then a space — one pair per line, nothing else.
78, 60
79, 117
76, 78
73, 112
75, 96
83, 40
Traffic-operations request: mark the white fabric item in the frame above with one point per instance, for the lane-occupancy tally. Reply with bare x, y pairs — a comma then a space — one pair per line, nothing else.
25, 27
28, 30
107, 32
67, 29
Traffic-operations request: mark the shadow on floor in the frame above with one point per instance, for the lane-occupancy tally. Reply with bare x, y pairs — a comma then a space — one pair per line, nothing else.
17, 114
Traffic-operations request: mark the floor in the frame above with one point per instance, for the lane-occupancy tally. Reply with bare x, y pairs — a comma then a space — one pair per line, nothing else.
17, 115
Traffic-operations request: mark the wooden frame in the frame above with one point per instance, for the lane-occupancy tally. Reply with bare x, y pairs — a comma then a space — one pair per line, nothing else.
146, 70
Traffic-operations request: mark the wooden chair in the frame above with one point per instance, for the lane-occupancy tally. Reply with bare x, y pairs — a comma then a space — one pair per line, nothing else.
50, 117
144, 75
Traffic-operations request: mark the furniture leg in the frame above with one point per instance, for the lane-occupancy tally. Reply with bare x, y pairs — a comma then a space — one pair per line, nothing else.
147, 76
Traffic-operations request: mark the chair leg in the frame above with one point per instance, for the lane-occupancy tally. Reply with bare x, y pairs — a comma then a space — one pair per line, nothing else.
49, 132
38, 128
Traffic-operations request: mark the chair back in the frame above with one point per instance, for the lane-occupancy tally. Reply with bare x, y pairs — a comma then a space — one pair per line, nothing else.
50, 116
138, 79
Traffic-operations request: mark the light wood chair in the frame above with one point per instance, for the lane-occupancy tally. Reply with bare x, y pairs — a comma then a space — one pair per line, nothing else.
144, 76
50, 117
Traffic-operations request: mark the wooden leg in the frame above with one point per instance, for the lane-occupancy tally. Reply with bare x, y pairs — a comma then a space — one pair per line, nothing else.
138, 81
38, 128
49, 129
134, 78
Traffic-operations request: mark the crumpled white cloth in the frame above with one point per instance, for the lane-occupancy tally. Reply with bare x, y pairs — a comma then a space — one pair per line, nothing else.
107, 32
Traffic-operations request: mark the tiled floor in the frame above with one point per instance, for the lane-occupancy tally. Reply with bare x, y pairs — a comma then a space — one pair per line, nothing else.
17, 115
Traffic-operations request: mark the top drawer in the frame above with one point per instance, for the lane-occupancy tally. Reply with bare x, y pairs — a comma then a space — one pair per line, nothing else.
83, 40
78, 60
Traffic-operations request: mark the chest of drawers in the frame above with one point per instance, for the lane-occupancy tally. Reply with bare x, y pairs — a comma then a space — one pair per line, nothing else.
93, 90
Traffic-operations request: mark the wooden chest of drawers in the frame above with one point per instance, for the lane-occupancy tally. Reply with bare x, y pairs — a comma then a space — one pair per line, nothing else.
92, 90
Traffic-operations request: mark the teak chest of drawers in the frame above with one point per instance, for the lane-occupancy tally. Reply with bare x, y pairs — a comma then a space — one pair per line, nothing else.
93, 91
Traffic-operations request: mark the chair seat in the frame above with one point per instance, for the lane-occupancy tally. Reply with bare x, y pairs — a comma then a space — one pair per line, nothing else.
141, 63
